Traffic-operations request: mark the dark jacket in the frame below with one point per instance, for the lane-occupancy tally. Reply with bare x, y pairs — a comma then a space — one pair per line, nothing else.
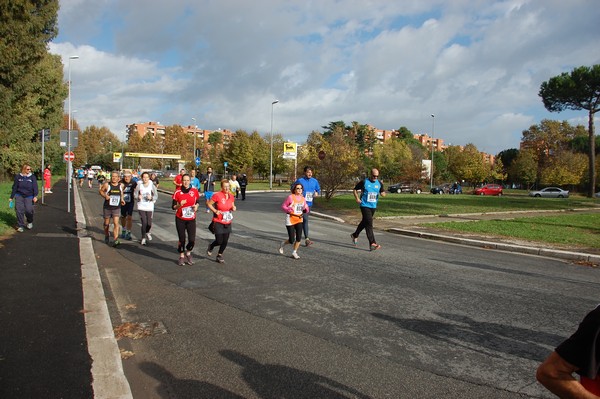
24, 186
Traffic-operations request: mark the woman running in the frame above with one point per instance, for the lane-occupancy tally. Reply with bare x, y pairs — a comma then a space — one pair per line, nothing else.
146, 195
185, 201
294, 206
222, 205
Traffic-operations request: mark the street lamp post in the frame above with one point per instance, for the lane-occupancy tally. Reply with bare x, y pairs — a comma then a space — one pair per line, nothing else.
432, 135
69, 164
195, 134
271, 163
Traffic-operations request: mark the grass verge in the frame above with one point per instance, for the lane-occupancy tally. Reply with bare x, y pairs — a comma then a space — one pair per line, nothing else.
569, 230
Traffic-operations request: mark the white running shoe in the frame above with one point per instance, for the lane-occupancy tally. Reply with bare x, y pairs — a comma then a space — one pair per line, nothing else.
281, 247
143, 241
295, 255
29, 226
149, 236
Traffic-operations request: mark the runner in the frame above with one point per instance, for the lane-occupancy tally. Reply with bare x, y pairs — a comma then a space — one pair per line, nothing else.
127, 209
80, 176
177, 179
370, 189
48, 180
209, 184
222, 205
154, 179
186, 201
295, 207
90, 177
194, 181
243, 184
234, 186
112, 192
146, 194
311, 190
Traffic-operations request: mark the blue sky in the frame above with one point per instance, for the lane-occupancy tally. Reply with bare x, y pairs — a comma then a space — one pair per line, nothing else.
476, 65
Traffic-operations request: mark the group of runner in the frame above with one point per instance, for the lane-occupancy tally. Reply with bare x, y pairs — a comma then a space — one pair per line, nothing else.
120, 194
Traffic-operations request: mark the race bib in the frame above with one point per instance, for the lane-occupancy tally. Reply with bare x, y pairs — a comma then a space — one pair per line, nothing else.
298, 208
371, 197
188, 212
127, 197
114, 200
227, 216
309, 196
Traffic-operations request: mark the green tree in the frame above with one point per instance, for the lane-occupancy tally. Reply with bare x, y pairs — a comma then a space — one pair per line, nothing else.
392, 159
525, 167
564, 168
239, 152
577, 90
470, 165
507, 157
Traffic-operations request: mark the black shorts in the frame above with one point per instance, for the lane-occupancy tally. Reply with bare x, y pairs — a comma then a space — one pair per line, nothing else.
127, 209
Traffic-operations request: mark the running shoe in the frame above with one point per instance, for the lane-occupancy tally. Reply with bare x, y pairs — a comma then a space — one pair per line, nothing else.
29, 226
149, 236
106, 239
189, 260
123, 233
295, 255
181, 261
354, 239
220, 259
116, 243
20, 229
128, 235
143, 242
308, 242
375, 247
281, 247
209, 250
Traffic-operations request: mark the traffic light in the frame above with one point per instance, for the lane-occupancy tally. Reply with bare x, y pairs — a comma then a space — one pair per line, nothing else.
198, 153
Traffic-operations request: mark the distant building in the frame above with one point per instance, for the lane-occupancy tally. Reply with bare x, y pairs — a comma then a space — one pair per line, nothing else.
157, 130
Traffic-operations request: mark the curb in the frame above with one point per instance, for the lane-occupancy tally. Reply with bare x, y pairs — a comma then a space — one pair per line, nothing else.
108, 377
547, 252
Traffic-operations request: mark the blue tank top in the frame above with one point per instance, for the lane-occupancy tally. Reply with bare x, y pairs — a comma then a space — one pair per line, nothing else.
370, 194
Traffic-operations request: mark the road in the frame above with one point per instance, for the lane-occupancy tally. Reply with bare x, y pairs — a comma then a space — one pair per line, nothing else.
416, 319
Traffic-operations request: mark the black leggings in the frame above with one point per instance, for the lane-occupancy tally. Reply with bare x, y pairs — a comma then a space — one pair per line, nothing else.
222, 232
184, 226
294, 232
366, 223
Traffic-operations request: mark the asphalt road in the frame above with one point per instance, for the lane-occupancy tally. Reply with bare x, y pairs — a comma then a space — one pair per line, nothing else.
416, 319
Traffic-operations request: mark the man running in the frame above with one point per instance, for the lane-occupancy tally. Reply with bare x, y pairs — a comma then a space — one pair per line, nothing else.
366, 193
129, 186
177, 179
209, 185
112, 192
311, 190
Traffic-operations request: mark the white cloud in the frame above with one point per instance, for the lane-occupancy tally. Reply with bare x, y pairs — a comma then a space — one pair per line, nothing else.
476, 65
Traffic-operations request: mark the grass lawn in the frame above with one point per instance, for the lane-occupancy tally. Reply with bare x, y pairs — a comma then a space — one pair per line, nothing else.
578, 230
428, 204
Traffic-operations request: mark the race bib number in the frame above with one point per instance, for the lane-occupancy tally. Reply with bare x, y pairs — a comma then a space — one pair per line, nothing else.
227, 216
309, 196
127, 197
298, 208
115, 200
371, 197
188, 212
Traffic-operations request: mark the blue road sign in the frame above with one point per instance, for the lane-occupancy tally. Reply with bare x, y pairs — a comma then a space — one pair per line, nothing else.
197, 161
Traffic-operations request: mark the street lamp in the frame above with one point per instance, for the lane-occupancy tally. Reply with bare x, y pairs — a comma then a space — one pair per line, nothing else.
271, 163
195, 134
69, 165
432, 135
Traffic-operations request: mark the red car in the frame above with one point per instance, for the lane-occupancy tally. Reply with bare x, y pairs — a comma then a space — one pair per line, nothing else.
489, 189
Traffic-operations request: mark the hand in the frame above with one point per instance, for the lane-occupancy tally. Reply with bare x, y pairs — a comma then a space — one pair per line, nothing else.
34, 200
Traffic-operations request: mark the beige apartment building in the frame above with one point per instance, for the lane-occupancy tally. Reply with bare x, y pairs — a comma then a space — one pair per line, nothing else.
157, 130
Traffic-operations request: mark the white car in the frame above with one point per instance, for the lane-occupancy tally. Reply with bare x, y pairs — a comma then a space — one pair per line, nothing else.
550, 192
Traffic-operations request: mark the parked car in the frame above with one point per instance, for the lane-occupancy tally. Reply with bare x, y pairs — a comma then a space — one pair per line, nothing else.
550, 192
441, 189
412, 188
489, 189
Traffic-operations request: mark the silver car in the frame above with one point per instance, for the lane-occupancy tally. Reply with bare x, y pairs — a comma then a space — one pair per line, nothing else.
550, 192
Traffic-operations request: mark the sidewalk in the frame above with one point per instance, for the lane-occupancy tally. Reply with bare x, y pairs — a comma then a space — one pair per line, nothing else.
43, 345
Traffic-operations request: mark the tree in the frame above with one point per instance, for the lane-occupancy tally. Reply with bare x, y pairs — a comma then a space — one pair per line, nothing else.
507, 157
239, 152
525, 167
565, 168
577, 90
469, 165
390, 158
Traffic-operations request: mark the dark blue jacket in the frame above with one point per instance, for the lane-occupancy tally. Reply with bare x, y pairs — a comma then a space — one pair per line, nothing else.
25, 186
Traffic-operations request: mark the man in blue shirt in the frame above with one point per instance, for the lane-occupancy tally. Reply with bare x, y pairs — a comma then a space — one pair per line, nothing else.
367, 193
311, 190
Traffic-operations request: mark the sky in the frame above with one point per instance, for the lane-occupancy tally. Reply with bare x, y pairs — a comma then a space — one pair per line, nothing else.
476, 65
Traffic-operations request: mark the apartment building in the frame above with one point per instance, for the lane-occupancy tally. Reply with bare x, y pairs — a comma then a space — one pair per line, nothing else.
157, 130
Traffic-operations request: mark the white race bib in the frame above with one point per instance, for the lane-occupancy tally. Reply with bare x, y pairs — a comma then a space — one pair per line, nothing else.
127, 197
309, 196
188, 212
227, 216
371, 197
115, 200
298, 209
